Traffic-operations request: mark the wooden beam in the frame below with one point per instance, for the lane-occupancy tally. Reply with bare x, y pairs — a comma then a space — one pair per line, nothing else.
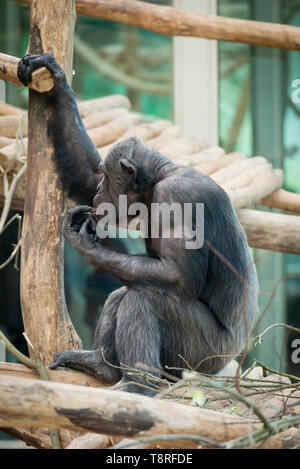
45, 315
9, 110
31, 403
61, 375
174, 22
284, 200
39, 404
272, 231
41, 79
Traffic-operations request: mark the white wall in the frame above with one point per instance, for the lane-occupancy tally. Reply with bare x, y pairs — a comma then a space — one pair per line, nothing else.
196, 78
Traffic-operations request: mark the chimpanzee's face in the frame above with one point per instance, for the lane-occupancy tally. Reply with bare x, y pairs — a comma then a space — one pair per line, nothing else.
125, 171
113, 182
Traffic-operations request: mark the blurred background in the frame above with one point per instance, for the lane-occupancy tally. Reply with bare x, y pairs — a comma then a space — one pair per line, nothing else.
234, 95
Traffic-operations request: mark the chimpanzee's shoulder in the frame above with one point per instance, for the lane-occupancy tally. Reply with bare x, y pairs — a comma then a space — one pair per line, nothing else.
187, 183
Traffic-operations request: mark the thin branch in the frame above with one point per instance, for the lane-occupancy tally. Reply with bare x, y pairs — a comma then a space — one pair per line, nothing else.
9, 196
35, 364
259, 339
280, 373
12, 255
267, 425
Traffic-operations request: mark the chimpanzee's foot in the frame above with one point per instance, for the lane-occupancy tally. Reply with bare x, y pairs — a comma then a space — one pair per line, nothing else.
90, 361
31, 62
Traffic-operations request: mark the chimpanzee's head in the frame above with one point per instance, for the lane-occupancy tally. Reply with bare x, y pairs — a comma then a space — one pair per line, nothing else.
131, 169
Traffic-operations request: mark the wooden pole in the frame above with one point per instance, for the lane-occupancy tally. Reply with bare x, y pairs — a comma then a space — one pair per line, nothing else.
283, 200
175, 22
272, 231
45, 316
41, 79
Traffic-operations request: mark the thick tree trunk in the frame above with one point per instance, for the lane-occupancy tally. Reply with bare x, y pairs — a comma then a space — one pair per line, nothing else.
44, 311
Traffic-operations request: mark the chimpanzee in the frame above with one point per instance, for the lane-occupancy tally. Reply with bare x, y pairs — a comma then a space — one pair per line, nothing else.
177, 305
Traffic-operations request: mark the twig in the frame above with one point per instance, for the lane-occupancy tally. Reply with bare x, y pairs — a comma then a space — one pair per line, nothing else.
258, 338
16, 353
267, 425
8, 198
12, 255
270, 370
35, 364
258, 435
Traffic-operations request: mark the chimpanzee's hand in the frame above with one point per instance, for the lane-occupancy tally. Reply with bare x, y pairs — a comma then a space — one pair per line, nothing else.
80, 228
31, 62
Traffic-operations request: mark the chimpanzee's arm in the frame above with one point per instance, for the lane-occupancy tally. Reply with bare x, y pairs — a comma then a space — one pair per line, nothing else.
76, 156
171, 267
132, 268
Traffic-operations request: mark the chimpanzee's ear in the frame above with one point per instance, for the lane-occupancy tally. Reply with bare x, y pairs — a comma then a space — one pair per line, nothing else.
129, 169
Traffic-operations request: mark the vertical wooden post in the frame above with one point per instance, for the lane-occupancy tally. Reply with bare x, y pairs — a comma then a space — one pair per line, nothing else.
45, 315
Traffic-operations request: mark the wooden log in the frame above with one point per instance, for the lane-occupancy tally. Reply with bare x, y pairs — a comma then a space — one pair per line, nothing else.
243, 180
28, 403
165, 138
60, 375
39, 437
225, 174
271, 231
175, 22
211, 165
209, 153
96, 119
101, 126
148, 131
93, 441
283, 200
9, 110
5, 141
41, 79
103, 104
144, 131
8, 154
263, 183
110, 132
195, 159
9, 126
42, 289
183, 146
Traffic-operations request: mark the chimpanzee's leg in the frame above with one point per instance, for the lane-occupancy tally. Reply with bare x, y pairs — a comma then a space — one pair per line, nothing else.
138, 338
161, 330
97, 362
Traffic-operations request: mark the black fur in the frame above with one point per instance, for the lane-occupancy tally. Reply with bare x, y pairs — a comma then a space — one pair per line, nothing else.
176, 301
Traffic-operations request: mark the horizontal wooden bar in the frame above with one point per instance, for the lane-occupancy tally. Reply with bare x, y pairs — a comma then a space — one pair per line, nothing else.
175, 22
271, 231
284, 200
41, 79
